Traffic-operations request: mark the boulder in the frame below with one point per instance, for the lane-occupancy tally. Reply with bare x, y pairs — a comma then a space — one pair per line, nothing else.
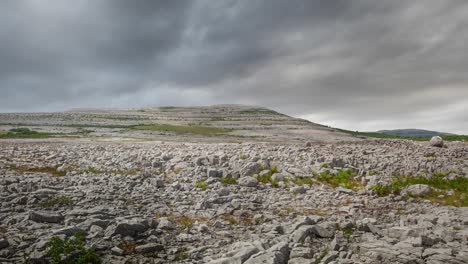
250, 169
126, 228
437, 142
4, 243
417, 190
149, 248
248, 181
46, 217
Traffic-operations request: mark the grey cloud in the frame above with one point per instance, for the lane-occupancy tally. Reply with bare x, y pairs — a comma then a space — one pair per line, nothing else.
366, 63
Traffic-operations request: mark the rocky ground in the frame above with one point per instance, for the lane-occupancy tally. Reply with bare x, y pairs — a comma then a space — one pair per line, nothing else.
161, 202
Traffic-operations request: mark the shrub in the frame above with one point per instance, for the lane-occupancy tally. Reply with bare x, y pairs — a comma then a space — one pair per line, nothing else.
73, 249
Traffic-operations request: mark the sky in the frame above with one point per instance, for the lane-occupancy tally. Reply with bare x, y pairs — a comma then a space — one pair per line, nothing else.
355, 64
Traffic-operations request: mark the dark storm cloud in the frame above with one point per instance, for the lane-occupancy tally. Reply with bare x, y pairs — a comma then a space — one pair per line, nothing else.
358, 64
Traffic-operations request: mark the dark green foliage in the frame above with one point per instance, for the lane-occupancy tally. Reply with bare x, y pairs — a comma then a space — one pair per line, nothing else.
23, 132
71, 250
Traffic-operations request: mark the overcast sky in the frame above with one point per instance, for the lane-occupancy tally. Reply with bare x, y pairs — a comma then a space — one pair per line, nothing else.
355, 64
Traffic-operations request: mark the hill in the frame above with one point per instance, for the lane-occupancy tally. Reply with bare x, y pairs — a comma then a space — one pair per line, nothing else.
413, 132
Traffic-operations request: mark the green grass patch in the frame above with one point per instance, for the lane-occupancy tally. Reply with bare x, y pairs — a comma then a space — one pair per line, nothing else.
73, 248
228, 180
344, 178
23, 132
458, 186
50, 170
430, 155
303, 181
201, 185
56, 201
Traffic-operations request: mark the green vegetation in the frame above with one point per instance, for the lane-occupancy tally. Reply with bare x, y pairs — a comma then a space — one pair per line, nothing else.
344, 178
56, 201
196, 130
303, 181
458, 186
201, 185
430, 155
347, 231
266, 178
50, 170
243, 156
258, 111
73, 249
228, 180
387, 136
178, 129
94, 170
23, 132
186, 222
181, 255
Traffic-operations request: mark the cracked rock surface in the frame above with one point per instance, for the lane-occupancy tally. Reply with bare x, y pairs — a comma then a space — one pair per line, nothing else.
173, 203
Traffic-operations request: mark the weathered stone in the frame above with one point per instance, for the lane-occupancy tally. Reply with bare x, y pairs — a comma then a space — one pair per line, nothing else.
149, 248
248, 181
46, 217
437, 142
417, 190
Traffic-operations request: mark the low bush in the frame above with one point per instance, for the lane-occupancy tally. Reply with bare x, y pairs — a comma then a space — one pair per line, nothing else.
71, 250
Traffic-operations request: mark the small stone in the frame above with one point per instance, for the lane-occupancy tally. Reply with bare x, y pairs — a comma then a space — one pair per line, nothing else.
117, 251
149, 248
298, 189
4, 243
165, 224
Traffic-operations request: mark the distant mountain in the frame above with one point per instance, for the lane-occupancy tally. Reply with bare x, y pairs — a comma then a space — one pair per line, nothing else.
413, 133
